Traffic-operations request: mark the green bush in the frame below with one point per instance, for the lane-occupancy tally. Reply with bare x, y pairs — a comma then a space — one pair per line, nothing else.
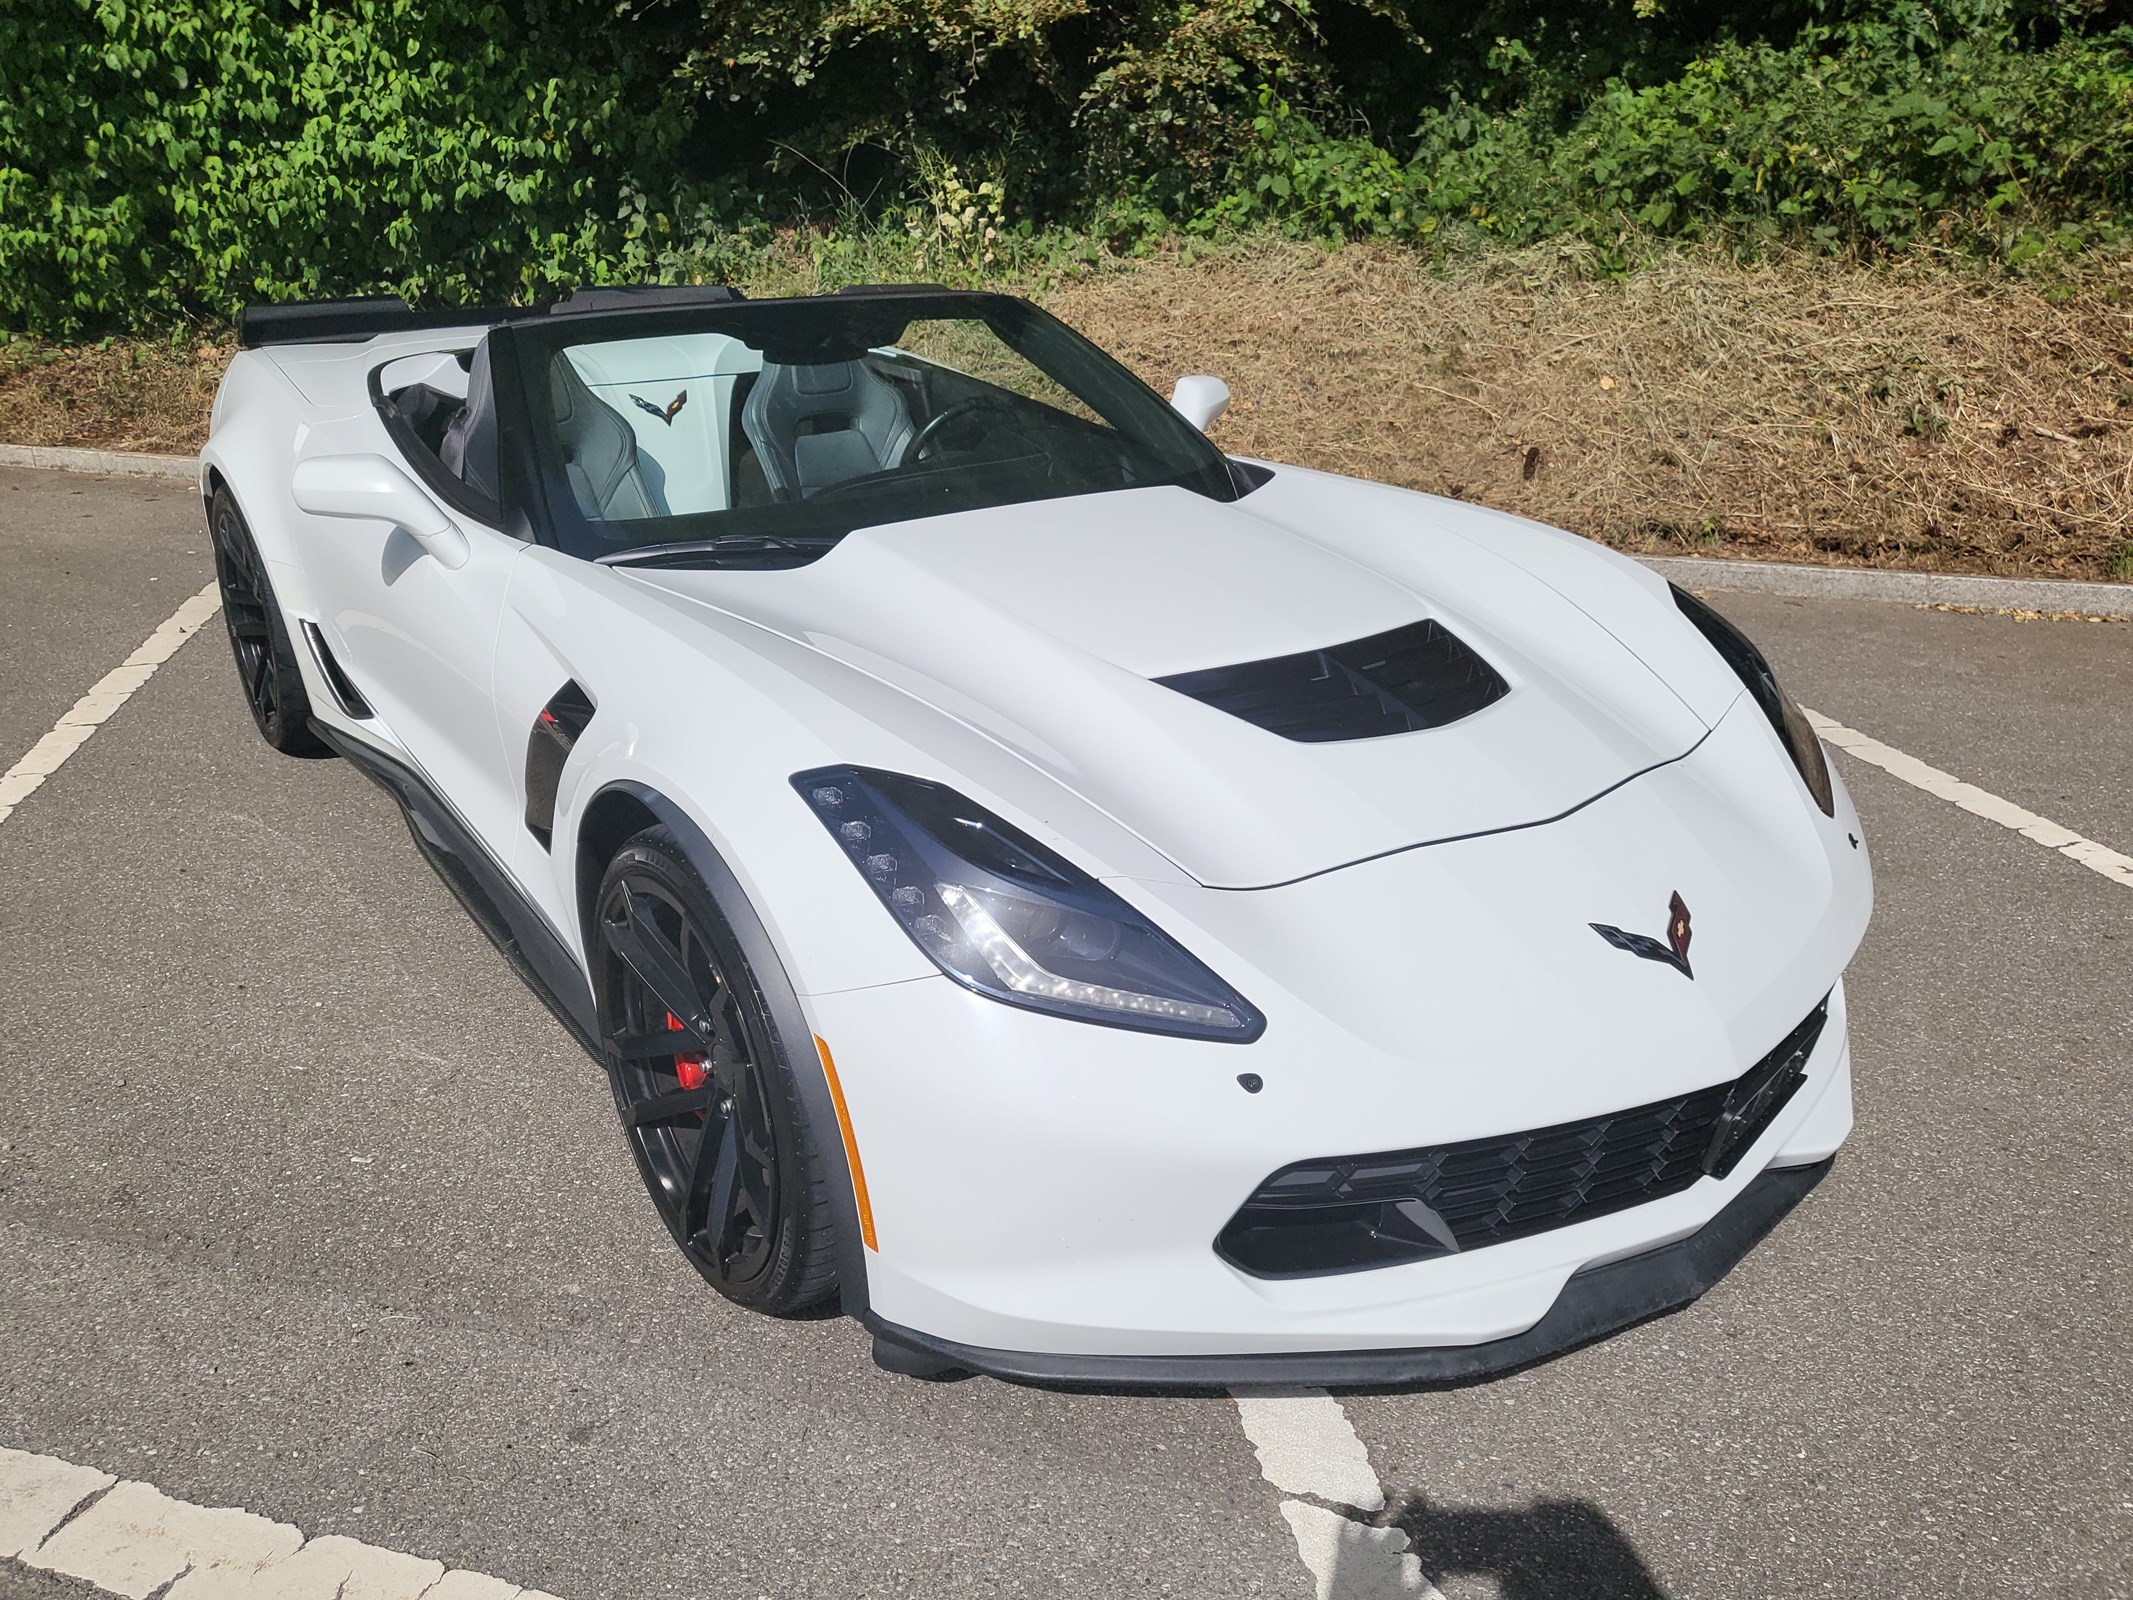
175, 158
1859, 136
165, 160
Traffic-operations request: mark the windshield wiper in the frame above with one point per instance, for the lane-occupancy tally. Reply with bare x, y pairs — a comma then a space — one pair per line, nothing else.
806, 546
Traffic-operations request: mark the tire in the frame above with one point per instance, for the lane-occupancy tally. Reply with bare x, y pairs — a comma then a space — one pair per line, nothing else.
718, 1131
259, 639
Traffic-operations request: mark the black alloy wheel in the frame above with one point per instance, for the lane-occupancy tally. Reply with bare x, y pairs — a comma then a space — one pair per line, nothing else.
706, 1100
266, 660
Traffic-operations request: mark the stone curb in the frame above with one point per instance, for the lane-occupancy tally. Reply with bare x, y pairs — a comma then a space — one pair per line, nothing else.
180, 469
1911, 588
1766, 577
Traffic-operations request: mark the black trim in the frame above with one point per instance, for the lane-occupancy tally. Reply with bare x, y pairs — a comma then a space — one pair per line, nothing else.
548, 745
354, 320
1595, 1303
345, 693
641, 296
796, 1040
1405, 680
502, 911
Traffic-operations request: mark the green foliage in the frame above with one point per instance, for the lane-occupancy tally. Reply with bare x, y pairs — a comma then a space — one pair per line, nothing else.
169, 158
164, 160
1855, 137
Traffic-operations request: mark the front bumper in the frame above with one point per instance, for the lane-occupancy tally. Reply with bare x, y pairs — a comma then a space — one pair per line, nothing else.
1595, 1303
1048, 1186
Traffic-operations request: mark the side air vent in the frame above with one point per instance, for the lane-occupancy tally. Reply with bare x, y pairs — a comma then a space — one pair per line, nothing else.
1419, 676
548, 746
345, 693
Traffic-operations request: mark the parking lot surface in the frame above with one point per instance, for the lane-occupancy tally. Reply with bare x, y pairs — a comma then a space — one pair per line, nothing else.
307, 1207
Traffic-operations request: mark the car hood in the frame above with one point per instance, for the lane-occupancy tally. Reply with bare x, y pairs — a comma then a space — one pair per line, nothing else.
1044, 625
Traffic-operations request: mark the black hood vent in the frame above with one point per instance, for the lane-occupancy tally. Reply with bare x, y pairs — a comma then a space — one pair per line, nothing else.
1419, 676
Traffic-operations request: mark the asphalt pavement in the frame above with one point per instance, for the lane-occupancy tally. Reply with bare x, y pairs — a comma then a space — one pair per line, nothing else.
306, 1206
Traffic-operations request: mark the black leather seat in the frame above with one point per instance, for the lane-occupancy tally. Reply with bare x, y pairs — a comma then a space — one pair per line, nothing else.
821, 423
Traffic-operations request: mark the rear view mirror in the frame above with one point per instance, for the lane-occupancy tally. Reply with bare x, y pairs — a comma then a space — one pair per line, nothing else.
1199, 398
372, 489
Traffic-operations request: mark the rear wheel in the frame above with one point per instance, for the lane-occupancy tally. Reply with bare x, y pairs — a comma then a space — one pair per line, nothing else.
707, 1102
266, 660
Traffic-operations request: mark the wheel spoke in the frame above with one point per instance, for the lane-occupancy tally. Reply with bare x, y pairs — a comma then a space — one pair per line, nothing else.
251, 630
723, 1168
668, 1107
649, 953
652, 1044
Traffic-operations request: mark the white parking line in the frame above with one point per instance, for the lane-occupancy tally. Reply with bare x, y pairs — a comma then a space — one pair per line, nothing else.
131, 1540
1307, 1447
1978, 802
110, 692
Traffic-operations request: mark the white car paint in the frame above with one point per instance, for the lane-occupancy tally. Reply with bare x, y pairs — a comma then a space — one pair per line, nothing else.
1412, 914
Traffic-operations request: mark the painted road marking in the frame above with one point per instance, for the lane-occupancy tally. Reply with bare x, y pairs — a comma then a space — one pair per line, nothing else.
1308, 1447
129, 1539
110, 692
1978, 802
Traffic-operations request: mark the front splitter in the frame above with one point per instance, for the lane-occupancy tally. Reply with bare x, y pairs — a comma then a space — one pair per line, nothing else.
1595, 1303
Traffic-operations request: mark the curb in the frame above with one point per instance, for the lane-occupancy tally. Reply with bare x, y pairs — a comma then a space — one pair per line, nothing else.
1764, 577
179, 469
1910, 588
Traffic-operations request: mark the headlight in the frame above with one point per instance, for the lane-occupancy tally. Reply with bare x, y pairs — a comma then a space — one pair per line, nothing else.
1748, 664
997, 911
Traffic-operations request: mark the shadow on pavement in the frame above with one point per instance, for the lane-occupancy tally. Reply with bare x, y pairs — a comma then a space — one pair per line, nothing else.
1550, 1550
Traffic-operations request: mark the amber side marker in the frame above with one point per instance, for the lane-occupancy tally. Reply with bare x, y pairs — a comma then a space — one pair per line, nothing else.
851, 1145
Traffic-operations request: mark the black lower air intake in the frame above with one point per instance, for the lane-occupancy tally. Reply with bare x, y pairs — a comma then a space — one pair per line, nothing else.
1345, 1213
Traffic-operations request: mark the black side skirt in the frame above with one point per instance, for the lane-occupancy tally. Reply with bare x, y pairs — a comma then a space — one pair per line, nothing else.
1595, 1303
511, 921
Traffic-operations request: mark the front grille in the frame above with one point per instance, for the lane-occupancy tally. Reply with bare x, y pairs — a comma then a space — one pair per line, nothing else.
1416, 677
1347, 1213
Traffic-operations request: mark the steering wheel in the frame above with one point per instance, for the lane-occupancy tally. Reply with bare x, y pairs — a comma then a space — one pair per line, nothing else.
954, 411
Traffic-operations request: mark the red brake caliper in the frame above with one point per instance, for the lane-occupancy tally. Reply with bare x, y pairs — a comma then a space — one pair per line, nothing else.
688, 1068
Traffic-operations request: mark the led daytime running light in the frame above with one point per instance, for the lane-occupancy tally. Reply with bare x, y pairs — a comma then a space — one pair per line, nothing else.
1021, 973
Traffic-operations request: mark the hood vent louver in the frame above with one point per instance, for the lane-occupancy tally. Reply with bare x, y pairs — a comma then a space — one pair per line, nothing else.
1419, 676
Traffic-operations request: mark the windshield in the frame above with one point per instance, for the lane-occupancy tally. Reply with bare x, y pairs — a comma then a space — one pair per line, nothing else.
759, 434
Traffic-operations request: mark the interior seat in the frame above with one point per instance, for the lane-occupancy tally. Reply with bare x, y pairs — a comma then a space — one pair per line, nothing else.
818, 424
468, 449
611, 478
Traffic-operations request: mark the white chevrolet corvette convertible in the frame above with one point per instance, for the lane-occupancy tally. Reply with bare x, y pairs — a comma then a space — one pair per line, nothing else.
1103, 911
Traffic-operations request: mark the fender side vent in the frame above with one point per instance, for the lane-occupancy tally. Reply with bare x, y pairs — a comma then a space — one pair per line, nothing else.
1419, 676
345, 693
548, 746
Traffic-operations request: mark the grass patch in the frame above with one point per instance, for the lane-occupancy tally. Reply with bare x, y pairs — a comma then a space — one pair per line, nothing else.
1802, 407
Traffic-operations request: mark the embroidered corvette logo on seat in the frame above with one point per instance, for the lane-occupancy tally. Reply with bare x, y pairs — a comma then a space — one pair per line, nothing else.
665, 413
1675, 952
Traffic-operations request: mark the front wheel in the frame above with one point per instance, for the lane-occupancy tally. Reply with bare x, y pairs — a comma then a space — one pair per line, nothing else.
707, 1101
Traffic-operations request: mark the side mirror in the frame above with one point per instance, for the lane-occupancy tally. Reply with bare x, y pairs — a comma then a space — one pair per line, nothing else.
372, 489
1199, 398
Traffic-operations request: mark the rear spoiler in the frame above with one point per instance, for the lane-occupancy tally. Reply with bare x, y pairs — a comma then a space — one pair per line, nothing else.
352, 321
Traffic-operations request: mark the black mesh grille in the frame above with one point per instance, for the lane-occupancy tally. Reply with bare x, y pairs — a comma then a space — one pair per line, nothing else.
1419, 676
1351, 1212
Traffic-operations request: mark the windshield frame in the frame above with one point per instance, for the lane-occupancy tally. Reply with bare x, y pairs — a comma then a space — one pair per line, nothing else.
814, 526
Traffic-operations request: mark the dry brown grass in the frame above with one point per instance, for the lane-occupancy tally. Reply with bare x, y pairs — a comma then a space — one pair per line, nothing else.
1801, 409
1897, 415
147, 395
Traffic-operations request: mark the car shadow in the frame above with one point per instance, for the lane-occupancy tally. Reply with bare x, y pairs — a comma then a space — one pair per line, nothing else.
1549, 1550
